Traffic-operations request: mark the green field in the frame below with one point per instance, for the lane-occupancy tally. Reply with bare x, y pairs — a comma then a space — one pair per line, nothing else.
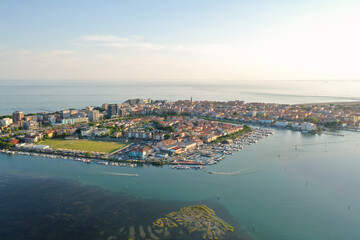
83, 145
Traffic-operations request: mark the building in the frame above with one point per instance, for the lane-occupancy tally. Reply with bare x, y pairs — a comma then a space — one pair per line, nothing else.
52, 119
94, 116
87, 132
14, 141
94, 132
28, 125
105, 106
74, 120
89, 108
32, 138
112, 110
65, 114
100, 132
281, 124
138, 134
18, 116
140, 152
6, 122
265, 121
50, 133
176, 150
159, 136
307, 127
186, 146
32, 147
116, 135
74, 112
251, 113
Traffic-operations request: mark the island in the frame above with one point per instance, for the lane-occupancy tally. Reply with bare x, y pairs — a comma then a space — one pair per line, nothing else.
194, 219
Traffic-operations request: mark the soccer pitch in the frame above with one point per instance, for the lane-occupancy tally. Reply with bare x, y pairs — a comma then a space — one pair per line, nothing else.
83, 145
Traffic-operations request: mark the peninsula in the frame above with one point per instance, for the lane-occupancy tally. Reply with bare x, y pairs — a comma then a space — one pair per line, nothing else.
184, 133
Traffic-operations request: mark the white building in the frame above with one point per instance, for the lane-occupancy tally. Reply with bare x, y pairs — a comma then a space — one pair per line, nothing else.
30, 125
307, 127
89, 108
99, 132
265, 121
281, 124
52, 119
94, 115
74, 120
87, 132
6, 122
295, 125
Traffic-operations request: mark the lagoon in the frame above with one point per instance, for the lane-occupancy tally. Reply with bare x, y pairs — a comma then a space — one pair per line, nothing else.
277, 192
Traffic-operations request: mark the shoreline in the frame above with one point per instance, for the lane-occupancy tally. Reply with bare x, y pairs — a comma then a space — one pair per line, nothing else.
207, 155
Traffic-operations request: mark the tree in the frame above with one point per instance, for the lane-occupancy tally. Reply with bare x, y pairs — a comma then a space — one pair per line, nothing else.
87, 154
99, 109
169, 128
333, 125
5, 145
315, 120
246, 128
167, 136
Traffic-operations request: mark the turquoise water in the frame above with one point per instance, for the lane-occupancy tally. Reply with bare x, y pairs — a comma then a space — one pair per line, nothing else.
283, 192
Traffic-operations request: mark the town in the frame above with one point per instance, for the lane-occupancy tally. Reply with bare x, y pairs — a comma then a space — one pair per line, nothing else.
186, 133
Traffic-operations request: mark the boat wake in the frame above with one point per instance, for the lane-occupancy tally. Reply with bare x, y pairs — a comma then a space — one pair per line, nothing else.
120, 174
239, 172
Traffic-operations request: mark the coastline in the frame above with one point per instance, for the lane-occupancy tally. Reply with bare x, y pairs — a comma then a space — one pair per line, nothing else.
212, 149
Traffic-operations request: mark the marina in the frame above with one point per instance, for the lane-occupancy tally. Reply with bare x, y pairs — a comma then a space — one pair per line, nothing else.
219, 151
209, 155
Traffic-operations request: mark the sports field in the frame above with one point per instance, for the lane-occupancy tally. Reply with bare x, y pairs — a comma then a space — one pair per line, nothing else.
83, 145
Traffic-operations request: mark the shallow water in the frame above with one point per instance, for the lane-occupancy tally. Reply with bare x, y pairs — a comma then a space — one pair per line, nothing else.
53, 208
304, 193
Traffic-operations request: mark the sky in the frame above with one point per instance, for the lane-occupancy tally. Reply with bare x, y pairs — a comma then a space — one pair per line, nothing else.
183, 40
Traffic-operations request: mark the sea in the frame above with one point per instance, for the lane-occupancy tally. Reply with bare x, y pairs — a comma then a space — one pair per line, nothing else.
32, 96
289, 185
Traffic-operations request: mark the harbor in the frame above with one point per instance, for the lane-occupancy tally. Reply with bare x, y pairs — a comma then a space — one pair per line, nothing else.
208, 154
216, 152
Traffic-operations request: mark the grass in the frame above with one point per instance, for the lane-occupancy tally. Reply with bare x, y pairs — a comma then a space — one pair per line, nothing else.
83, 145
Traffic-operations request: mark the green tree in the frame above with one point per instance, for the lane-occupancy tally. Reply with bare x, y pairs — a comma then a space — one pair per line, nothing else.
333, 125
246, 128
315, 120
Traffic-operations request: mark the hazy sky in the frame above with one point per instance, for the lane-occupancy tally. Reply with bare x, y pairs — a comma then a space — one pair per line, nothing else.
173, 40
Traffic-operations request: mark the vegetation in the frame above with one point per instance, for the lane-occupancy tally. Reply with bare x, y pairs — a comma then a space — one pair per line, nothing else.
234, 135
4, 144
315, 120
83, 145
99, 109
165, 128
199, 219
333, 125
5, 116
